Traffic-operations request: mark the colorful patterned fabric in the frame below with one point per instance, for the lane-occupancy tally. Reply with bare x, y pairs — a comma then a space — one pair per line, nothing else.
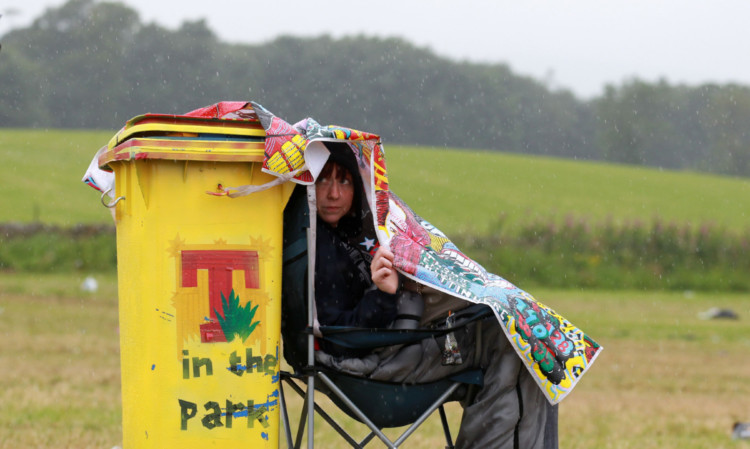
555, 351
226, 110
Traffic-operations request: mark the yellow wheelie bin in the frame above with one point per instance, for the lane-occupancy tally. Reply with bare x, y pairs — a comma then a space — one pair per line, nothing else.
199, 283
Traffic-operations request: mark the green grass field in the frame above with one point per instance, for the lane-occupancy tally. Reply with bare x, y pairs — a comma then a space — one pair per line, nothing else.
666, 379
41, 173
455, 190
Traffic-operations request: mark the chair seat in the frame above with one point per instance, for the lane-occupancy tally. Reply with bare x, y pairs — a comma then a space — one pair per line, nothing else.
389, 404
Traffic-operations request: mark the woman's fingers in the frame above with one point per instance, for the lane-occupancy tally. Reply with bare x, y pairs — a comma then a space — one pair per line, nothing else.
381, 262
383, 257
384, 275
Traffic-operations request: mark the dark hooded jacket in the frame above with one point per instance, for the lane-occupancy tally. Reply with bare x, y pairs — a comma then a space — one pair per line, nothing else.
344, 292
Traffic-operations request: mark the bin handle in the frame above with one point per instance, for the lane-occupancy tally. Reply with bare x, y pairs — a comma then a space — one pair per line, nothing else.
248, 189
113, 203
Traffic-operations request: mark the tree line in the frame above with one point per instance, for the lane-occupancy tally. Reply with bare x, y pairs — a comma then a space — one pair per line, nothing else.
89, 64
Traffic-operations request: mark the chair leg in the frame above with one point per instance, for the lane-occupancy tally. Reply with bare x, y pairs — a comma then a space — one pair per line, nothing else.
302, 423
440, 401
303, 414
285, 416
323, 414
367, 439
329, 383
375, 431
310, 412
446, 429
364, 419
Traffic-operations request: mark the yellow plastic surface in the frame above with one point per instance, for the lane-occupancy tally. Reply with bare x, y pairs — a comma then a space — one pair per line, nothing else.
165, 124
177, 248
176, 149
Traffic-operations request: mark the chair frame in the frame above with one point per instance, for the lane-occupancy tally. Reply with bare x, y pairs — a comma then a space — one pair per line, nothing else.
312, 376
375, 431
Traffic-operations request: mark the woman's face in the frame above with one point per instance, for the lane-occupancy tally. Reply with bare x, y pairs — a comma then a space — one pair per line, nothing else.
334, 190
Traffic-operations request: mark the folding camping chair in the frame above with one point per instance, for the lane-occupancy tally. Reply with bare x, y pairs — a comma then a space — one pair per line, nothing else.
399, 404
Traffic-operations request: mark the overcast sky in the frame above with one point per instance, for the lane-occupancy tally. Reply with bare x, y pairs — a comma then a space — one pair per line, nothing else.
580, 45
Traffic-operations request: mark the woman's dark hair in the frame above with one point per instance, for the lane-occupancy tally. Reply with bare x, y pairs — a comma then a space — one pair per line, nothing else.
340, 172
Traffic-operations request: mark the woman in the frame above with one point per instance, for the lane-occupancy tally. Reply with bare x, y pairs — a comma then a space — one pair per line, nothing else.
352, 289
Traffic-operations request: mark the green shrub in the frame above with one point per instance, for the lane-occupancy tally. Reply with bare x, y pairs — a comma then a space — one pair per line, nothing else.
655, 255
40, 248
572, 253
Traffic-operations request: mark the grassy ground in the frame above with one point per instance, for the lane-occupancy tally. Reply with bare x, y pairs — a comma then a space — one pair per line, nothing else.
41, 172
483, 185
42, 169
59, 382
666, 379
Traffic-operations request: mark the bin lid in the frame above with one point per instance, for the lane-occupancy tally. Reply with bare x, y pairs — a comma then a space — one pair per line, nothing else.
178, 137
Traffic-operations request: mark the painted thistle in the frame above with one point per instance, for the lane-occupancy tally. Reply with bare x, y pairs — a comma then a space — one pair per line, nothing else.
236, 320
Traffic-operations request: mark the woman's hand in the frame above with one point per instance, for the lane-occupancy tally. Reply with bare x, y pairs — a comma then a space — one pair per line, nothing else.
384, 275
